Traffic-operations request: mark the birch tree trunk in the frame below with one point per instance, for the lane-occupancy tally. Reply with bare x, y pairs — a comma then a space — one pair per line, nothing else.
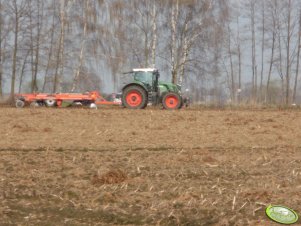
60, 51
262, 51
174, 21
254, 66
288, 68
154, 40
1, 63
15, 50
267, 95
23, 71
62, 44
231, 66
37, 52
239, 60
77, 73
31, 46
280, 68
34, 85
146, 47
49, 53
185, 54
298, 59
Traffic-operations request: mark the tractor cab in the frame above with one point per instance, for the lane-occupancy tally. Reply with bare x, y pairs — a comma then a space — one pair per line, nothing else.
145, 88
144, 76
148, 76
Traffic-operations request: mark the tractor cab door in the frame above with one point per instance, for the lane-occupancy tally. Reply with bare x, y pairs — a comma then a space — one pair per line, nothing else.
150, 81
146, 78
155, 84
154, 97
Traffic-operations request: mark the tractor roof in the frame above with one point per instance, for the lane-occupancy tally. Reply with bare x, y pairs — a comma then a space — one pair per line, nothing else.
144, 69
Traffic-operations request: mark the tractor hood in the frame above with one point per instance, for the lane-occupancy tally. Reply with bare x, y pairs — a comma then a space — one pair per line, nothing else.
167, 86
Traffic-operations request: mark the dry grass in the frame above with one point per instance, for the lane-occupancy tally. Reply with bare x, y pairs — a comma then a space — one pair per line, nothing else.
143, 187
124, 167
111, 177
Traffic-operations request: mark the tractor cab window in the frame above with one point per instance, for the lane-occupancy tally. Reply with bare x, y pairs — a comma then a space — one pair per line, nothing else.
156, 76
143, 76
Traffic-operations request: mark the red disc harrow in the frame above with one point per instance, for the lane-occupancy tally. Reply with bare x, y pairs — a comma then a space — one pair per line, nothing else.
90, 99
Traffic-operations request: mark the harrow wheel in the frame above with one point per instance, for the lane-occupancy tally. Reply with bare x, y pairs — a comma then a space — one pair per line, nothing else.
134, 97
20, 104
172, 101
50, 102
34, 104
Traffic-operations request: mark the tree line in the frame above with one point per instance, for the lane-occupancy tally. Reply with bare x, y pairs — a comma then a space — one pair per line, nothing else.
222, 51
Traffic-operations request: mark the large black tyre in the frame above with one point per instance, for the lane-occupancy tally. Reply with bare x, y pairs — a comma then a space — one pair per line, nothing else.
134, 97
172, 101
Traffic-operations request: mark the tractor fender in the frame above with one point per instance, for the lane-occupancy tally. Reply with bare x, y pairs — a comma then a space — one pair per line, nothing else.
163, 88
167, 88
135, 84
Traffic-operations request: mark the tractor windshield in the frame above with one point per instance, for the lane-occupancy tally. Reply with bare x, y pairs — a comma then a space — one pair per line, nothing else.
144, 76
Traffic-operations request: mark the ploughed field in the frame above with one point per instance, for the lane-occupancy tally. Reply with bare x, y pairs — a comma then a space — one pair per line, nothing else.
147, 167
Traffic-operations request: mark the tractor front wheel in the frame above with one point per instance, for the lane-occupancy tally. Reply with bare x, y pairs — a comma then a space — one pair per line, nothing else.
134, 97
172, 101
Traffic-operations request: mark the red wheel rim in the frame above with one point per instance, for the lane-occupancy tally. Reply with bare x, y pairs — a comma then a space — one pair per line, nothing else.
134, 98
171, 101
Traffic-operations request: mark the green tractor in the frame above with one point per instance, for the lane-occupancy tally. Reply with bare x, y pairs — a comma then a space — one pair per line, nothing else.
145, 88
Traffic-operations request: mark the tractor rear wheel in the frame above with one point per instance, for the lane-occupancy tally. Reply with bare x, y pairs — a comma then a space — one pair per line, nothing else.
134, 97
172, 101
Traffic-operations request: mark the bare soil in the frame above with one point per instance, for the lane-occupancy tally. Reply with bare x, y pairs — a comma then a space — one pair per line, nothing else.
147, 167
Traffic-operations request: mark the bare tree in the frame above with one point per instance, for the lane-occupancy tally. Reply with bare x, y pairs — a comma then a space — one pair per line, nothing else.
201, 44
17, 10
288, 57
273, 31
142, 23
60, 50
232, 78
49, 48
174, 21
254, 64
1, 47
262, 49
280, 60
186, 48
298, 59
22, 70
82, 45
239, 57
154, 33
35, 51
188, 27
